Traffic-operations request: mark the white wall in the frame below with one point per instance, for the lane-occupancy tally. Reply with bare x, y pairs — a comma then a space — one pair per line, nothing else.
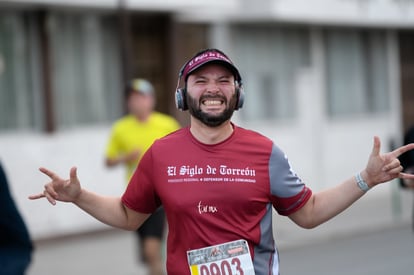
383, 13
211, 7
352, 12
377, 12
23, 153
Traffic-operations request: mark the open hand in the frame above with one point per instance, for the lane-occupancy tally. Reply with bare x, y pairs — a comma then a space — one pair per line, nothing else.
385, 167
66, 190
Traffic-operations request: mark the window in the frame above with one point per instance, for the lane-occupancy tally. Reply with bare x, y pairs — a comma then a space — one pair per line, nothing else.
86, 69
356, 71
18, 87
269, 59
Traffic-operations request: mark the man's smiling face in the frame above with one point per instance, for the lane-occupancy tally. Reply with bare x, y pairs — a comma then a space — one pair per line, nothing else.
211, 95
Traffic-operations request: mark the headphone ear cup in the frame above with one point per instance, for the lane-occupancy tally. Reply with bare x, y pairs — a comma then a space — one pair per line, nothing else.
180, 99
240, 99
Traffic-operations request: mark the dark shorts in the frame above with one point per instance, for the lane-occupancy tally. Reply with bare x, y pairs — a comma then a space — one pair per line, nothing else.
154, 226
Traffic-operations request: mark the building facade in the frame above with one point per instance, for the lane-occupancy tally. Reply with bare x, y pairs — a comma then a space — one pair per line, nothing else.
320, 80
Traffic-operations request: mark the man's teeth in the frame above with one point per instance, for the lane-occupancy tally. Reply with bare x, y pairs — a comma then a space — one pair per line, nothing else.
212, 102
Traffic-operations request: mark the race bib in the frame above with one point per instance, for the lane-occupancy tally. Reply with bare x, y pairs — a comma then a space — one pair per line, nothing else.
232, 258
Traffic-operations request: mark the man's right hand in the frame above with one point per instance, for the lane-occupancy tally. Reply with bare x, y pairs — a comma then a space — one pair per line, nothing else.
66, 190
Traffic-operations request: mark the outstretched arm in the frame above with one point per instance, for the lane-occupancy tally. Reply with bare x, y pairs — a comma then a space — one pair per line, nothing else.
326, 204
109, 210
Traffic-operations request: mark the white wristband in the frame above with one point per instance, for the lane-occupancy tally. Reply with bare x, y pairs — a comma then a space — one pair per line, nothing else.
361, 183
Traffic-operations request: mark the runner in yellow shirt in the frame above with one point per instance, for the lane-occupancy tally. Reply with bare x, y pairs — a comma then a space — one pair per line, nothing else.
130, 137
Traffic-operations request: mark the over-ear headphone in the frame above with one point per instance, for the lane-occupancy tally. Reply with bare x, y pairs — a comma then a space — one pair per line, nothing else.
199, 59
181, 93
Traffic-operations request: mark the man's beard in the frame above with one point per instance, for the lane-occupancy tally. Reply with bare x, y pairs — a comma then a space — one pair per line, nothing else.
207, 119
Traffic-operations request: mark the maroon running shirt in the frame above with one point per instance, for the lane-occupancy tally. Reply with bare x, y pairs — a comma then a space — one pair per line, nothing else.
217, 193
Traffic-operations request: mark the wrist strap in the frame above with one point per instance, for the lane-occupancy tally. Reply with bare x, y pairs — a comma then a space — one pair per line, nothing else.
361, 183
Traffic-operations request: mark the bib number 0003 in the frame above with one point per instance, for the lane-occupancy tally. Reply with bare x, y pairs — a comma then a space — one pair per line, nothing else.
232, 258
222, 268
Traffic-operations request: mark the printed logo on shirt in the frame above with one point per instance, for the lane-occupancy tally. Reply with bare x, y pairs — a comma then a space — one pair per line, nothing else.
209, 173
204, 208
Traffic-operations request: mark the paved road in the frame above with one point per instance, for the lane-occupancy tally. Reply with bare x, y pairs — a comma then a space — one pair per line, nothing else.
381, 252
384, 252
112, 252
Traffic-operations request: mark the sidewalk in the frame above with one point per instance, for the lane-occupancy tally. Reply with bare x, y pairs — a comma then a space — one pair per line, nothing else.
113, 252
373, 212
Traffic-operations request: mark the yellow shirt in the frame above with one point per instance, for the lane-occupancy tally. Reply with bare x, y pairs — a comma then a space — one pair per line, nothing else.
129, 134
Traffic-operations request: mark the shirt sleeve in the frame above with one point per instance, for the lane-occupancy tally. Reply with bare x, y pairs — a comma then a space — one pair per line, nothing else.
140, 194
289, 193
